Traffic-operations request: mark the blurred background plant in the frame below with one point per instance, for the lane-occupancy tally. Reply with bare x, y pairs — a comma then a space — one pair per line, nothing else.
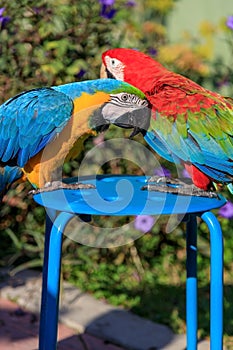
50, 42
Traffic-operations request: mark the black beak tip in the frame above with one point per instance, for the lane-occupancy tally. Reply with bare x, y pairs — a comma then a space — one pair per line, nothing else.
109, 74
135, 132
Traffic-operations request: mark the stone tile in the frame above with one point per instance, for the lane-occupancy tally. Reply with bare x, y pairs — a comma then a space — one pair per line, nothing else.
19, 331
92, 319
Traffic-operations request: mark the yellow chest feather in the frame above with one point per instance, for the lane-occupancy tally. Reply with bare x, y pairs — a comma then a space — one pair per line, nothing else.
46, 166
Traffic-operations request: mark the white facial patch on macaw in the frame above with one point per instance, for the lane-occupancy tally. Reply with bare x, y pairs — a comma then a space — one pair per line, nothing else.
115, 67
123, 109
112, 111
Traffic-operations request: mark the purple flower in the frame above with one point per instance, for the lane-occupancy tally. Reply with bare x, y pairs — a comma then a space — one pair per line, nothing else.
144, 223
107, 10
226, 211
39, 10
223, 82
152, 51
229, 22
185, 173
162, 172
131, 3
80, 74
3, 19
107, 2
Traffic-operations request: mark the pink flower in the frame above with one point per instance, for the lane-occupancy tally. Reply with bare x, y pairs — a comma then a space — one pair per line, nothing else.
98, 140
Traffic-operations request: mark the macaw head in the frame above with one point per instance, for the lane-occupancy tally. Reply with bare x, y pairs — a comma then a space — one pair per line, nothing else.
131, 66
126, 107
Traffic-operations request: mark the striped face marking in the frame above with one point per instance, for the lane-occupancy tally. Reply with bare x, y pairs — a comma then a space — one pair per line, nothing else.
128, 100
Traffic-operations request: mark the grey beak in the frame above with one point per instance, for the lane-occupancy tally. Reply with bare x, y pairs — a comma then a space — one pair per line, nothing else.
139, 120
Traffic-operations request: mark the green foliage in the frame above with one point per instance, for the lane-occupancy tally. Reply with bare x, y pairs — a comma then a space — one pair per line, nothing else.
50, 42
53, 42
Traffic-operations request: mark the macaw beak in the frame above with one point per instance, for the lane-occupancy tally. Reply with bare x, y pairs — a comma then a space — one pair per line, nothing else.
139, 120
104, 73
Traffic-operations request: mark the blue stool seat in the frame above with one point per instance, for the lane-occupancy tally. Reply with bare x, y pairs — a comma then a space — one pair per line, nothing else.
117, 195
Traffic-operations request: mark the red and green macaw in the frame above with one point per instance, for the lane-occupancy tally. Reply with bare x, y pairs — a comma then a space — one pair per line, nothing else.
189, 125
41, 128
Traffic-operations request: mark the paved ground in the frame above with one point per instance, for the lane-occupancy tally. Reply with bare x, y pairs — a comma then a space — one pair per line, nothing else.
19, 331
86, 324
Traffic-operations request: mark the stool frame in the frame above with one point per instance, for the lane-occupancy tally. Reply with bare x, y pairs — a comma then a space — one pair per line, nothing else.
55, 226
119, 195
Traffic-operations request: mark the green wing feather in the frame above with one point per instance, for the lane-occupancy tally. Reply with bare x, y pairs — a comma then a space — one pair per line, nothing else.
203, 138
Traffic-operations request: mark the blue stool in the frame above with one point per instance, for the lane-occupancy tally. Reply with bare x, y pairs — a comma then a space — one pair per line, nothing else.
118, 196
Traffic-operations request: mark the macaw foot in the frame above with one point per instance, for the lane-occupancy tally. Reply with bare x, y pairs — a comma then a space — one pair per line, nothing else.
57, 185
176, 186
168, 180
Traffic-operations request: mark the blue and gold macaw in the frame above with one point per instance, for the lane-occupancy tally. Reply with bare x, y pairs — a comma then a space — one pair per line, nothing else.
41, 128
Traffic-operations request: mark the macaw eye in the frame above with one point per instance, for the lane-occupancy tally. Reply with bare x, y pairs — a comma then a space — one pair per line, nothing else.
113, 63
124, 97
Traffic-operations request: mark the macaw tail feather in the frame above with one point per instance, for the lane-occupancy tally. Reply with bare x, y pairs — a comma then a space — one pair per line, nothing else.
8, 175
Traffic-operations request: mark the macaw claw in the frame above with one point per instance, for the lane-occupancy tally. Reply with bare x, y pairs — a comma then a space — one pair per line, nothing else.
176, 186
57, 185
168, 180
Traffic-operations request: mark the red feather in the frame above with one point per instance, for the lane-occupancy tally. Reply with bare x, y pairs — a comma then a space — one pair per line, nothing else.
199, 179
169, 93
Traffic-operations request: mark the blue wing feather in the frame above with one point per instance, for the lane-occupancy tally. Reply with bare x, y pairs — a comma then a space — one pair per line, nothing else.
29, 121
158, 146
32, 119
7, 176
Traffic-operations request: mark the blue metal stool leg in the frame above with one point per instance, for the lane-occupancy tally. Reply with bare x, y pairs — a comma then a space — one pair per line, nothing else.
216, 281
51, 281
191, 283
48, 227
